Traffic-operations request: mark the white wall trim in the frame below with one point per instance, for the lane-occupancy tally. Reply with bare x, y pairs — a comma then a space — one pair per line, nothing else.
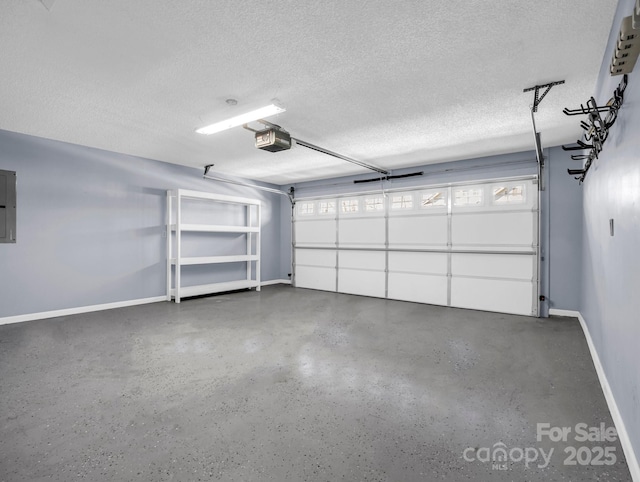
106, 306
74, 311
571, 313
623, 435
276, 282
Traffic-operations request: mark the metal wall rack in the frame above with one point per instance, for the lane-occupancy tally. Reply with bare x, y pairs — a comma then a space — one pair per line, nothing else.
596, 128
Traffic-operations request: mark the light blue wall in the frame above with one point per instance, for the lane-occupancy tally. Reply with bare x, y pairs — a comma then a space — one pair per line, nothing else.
565, 231
91, 223
560, 206
610, 301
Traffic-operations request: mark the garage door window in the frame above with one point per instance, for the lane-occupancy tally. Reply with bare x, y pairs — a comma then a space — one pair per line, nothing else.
306, 209
404, 201
326, 207
373, 204
433, 199
468, 197
509, 194
349, 206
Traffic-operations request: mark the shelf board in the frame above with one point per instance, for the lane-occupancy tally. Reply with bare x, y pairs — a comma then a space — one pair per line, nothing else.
187, 193
210, 228
187, 291
215, 259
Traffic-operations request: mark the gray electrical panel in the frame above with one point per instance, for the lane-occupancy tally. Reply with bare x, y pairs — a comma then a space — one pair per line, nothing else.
7, 206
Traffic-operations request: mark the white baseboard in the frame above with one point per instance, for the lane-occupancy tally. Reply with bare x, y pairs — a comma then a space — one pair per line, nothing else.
623, 435
276, 282
106, 306
74, 311
555, 312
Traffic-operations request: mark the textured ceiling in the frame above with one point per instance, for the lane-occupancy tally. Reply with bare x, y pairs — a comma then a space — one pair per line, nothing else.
386, 82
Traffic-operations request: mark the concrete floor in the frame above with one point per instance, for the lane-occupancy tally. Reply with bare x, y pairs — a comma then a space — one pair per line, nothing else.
292, 384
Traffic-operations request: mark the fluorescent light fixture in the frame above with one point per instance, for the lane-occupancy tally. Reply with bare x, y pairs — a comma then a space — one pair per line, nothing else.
261, 113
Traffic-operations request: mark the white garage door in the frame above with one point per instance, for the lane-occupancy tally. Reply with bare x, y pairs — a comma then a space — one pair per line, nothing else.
469, 246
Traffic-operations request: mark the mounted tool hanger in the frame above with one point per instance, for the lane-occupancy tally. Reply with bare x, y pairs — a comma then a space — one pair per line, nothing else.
596, 127
613, 104
581, 146
581, 157
582, 110
577, 172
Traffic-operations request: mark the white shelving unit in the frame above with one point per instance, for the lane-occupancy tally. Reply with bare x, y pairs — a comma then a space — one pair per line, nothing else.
176, 228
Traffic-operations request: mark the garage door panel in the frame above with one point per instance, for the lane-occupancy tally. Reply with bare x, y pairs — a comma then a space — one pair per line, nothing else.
315, 233
418, 288
430, 263
493, 265
315, 269
362, 273
361, 282
364, 260
367, 232
418, 231
316, 257
315, 278
493, 229
492, 295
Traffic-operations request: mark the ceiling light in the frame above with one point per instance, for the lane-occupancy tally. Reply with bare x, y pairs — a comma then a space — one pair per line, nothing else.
269, 110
